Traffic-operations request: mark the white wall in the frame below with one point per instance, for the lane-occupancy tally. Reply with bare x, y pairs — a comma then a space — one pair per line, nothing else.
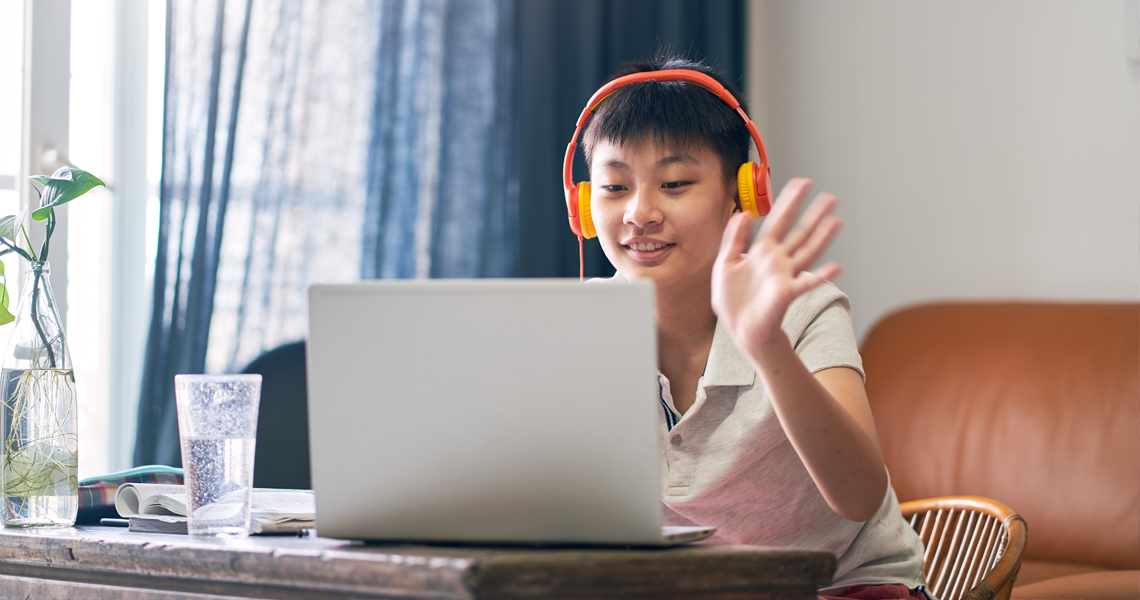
980, 149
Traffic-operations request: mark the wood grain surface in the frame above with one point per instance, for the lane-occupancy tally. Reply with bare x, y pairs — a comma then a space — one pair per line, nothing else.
104, 562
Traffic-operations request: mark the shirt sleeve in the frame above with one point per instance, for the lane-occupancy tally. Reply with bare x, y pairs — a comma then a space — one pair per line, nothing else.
820, 326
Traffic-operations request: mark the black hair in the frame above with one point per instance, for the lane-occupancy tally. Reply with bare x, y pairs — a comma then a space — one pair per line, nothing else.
671, 111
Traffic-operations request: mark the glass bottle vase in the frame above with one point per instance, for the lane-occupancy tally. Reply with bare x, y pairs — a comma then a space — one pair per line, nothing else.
38, 421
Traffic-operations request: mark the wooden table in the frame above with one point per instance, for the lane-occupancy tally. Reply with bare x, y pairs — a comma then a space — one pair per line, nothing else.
107, 562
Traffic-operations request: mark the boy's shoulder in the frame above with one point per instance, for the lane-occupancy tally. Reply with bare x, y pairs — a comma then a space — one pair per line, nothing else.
824, 294
807, 307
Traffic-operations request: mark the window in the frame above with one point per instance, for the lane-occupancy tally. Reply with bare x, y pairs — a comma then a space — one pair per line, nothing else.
103, 251
11, 91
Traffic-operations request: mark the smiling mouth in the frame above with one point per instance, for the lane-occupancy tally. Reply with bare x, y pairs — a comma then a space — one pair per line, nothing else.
646, 247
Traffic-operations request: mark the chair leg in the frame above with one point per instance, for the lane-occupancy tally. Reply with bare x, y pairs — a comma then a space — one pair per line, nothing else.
1007, 590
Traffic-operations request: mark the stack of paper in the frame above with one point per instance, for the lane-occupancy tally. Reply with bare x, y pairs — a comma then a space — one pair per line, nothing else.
161, 508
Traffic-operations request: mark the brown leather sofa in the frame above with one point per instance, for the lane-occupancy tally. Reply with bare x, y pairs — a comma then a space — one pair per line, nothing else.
1036, 405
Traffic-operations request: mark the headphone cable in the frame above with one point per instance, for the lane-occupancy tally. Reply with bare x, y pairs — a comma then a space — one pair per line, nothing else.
581, 262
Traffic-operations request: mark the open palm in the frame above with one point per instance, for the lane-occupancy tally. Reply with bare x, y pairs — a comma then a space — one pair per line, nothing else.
753, 285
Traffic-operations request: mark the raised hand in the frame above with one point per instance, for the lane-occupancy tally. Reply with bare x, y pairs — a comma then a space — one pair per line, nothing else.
752, 286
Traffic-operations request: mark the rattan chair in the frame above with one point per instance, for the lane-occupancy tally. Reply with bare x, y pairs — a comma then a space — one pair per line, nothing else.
973, 545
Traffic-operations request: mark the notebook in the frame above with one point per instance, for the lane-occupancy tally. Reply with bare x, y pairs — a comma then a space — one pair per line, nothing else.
486, 411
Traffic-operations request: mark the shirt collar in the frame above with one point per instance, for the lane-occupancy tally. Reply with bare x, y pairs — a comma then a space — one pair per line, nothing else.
727, 366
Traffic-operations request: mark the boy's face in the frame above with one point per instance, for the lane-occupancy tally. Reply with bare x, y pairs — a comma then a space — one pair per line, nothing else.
660, 209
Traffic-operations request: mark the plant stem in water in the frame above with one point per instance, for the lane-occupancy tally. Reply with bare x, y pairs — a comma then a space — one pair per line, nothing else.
36, 317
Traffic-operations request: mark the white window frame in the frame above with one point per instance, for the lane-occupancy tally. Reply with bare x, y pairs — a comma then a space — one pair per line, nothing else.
45, 121
44, 147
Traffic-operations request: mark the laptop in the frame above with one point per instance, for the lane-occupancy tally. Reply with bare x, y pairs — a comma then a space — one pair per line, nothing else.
486, 411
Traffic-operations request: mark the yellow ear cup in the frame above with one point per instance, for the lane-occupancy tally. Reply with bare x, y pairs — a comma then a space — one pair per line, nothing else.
584, 211
747, 188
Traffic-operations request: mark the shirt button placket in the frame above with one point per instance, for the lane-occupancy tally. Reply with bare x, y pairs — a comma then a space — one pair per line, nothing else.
680, 466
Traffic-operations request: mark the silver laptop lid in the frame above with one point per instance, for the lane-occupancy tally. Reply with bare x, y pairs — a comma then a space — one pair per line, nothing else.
484, 410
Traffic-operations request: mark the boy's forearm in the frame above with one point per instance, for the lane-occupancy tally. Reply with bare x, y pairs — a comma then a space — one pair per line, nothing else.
842, 457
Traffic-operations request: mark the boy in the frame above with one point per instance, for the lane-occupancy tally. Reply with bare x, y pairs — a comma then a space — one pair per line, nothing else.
768, 433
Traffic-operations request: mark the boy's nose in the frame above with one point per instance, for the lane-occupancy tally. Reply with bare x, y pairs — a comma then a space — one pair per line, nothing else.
643, 209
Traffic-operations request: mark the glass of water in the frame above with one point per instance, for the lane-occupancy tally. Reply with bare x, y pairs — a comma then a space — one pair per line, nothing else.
217, 425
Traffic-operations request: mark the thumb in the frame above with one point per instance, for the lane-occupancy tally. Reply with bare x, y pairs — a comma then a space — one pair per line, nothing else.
735, 239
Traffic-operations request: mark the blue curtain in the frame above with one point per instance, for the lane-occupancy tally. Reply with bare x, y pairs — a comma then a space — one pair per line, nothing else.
307, 140
443, 173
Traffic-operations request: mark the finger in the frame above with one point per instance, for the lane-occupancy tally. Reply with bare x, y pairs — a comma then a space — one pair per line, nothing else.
822, 206
809, 280
735, 239
785, 208
811, 250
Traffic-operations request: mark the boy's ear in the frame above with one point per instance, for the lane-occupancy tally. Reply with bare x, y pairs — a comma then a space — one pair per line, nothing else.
734, 189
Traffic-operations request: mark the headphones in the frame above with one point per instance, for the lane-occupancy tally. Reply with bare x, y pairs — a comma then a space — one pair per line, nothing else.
753, 181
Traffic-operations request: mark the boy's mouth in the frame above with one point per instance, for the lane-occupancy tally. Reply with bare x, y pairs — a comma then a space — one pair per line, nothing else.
651, 247
651, 251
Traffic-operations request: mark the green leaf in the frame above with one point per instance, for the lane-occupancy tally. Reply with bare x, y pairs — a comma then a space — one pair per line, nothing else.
5, 316
62, 187
10, 226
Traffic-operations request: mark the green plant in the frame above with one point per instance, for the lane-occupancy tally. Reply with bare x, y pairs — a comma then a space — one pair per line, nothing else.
61, 187
40, 448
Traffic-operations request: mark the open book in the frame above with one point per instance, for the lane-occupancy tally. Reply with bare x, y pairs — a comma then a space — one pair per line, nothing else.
161, 508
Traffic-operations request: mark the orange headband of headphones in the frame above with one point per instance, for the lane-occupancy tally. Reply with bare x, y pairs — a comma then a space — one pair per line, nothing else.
753, 181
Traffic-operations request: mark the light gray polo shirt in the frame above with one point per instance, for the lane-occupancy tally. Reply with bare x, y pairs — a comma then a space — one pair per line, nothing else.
727, 462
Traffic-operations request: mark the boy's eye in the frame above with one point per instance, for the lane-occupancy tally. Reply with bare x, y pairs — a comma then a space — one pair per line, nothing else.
613, 188
672, 185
